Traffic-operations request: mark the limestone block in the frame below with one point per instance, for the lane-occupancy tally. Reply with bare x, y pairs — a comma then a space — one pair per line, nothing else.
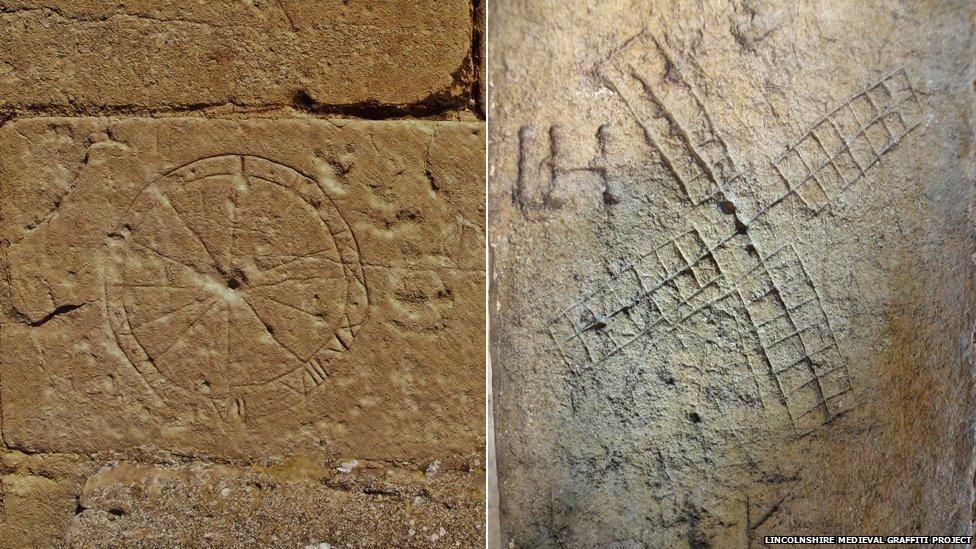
299, 503
156, 499
38, 497
85, 56
732, 270
243, 289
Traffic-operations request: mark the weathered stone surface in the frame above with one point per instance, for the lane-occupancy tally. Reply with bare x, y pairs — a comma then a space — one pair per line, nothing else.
243, 289
71, 56
247, 291
236, 317
159, 500
39, 497
298, 503
482, 41
694, 342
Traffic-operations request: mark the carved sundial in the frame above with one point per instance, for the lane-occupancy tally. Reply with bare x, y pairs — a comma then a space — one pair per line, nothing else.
236, 279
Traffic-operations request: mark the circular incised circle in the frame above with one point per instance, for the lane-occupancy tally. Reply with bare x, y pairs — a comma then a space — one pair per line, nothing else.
236, 278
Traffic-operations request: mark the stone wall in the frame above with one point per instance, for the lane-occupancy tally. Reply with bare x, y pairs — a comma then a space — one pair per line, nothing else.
243, 274
732, 252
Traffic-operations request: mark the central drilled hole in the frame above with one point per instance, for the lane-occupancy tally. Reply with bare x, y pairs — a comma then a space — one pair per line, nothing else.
235, 278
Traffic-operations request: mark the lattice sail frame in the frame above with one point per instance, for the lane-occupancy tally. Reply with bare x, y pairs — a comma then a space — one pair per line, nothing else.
798, 343
837, 151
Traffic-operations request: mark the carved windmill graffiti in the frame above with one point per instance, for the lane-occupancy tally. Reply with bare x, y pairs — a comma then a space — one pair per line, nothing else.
713, 263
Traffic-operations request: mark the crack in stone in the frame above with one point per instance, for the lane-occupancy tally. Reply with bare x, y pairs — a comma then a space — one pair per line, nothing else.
61, 310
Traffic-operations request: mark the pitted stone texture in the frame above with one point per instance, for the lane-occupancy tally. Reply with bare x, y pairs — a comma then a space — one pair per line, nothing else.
243, 289
732, 276
483, 58
176, 54
295, 504
158, 500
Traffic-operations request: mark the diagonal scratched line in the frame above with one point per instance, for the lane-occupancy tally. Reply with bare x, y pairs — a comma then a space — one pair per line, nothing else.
168, 203
313, 256
877, 108
559, 346
816, 378
820, 405
685, 136
794, 261
270, 332
168, 258
675, 74
159, 286
708, 304
843, 104
848, 139
782, 339
631, 341
653, 325
275, 379
172, 312
179, 337
240, 182
225, 364
787, 311
296, 279
805, 357
118, 342
668, 278
846, 149
656, 287
779, 385
830, 329
269, 298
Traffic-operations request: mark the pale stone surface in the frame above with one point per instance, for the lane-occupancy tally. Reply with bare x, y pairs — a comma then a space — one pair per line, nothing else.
242, 291
71, 56
164, 501
693, 342
242, 288
294, 504
39, 496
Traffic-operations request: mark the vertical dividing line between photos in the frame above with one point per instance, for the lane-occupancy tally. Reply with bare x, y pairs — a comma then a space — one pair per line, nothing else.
492, 519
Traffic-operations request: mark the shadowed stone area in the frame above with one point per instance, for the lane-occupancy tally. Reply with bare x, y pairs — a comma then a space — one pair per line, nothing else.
732, 289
